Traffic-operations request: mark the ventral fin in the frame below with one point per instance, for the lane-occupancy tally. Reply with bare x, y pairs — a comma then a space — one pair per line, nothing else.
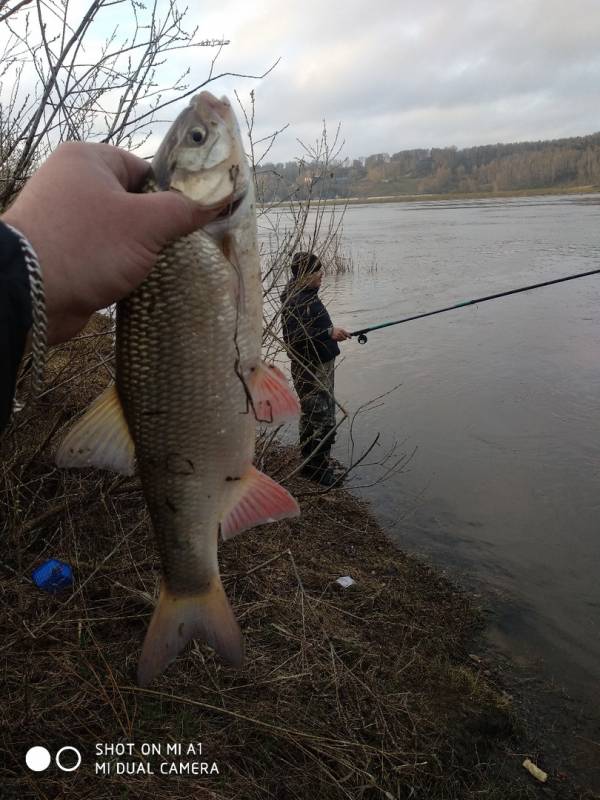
273, 400
101, 438
257, 499
207, 617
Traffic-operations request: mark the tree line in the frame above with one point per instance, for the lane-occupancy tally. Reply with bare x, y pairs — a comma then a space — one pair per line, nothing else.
568, 162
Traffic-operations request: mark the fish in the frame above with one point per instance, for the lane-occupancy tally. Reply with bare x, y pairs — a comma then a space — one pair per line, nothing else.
191, 388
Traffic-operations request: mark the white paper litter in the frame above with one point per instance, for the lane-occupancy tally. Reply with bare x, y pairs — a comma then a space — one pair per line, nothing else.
534, 770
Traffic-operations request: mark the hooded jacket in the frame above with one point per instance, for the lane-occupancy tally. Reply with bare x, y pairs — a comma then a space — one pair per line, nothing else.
15, 317
306, 326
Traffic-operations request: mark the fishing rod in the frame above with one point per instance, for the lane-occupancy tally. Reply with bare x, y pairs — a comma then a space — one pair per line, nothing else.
362, 339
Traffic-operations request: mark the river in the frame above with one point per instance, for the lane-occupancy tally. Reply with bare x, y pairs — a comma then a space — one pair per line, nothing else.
496, 406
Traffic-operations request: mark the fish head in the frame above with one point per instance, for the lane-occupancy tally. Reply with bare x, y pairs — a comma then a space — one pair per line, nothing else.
202, 155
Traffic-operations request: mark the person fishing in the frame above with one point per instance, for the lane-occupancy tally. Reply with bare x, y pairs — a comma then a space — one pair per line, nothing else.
311, 341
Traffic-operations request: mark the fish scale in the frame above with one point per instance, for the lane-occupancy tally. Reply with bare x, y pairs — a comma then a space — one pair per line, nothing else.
176, 326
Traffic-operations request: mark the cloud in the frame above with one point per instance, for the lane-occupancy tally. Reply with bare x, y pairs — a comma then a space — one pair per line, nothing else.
400, 73
404, 74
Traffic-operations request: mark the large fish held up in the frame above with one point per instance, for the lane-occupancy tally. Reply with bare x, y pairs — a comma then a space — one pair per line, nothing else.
190, 388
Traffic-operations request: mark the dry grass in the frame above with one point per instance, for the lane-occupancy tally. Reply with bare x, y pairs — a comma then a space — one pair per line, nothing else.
362, 693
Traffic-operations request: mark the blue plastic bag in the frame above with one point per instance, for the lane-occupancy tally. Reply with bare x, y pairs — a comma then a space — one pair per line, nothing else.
53, 575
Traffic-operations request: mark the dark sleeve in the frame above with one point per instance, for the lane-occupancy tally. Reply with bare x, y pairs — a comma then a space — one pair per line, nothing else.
15, 317
320, 322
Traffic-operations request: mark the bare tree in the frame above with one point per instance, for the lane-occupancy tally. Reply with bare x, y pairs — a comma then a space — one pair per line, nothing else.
59, 81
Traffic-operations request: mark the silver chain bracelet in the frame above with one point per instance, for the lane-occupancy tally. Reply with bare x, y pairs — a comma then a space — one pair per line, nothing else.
39, 335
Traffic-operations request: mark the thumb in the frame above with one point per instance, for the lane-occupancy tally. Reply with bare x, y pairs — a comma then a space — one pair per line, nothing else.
169, 215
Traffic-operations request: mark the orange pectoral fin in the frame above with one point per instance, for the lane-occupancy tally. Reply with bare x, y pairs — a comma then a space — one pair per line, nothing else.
257, 499
273, 400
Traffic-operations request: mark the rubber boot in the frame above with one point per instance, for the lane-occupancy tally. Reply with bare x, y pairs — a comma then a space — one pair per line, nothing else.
320, 473
318, 469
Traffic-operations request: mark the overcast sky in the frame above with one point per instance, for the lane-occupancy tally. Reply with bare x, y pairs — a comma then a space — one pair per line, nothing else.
395, 74
399, 74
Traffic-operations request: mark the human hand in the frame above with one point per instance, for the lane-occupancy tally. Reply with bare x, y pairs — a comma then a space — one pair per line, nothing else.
340, 334
95, 239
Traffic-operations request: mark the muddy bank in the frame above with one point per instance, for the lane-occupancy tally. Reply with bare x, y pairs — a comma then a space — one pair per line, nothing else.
372, 691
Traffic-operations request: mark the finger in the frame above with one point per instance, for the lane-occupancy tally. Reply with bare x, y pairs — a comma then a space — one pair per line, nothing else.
169, 215
129, 170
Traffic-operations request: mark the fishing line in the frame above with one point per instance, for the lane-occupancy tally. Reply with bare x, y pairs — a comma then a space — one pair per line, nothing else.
363, 339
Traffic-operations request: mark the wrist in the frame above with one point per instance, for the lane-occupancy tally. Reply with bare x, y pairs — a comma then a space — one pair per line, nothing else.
52, 287
39, 324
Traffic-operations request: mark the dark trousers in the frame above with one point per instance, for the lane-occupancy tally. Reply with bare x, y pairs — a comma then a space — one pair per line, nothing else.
314, 386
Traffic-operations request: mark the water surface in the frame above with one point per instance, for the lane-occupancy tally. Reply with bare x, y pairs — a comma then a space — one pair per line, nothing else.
500, 401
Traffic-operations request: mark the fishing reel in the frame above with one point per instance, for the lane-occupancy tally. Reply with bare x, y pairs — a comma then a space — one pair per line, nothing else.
362, 339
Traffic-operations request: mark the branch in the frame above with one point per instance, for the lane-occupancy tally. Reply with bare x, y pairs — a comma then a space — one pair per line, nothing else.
12, 10
193, 91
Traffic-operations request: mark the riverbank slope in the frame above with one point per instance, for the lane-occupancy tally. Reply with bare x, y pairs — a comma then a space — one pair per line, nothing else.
374, 691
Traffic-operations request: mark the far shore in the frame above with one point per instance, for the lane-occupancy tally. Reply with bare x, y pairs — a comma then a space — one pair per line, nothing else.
415, 198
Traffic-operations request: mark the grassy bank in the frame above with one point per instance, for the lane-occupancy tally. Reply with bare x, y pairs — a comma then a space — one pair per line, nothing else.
415, 198
367, 692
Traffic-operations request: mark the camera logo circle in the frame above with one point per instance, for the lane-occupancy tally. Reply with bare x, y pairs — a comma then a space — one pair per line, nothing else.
37, 759
64, 750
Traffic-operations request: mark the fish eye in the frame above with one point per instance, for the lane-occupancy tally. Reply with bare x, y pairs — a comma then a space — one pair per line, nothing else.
199, 134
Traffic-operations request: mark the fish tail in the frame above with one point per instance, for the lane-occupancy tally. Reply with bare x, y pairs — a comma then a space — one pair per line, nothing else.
178, 619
